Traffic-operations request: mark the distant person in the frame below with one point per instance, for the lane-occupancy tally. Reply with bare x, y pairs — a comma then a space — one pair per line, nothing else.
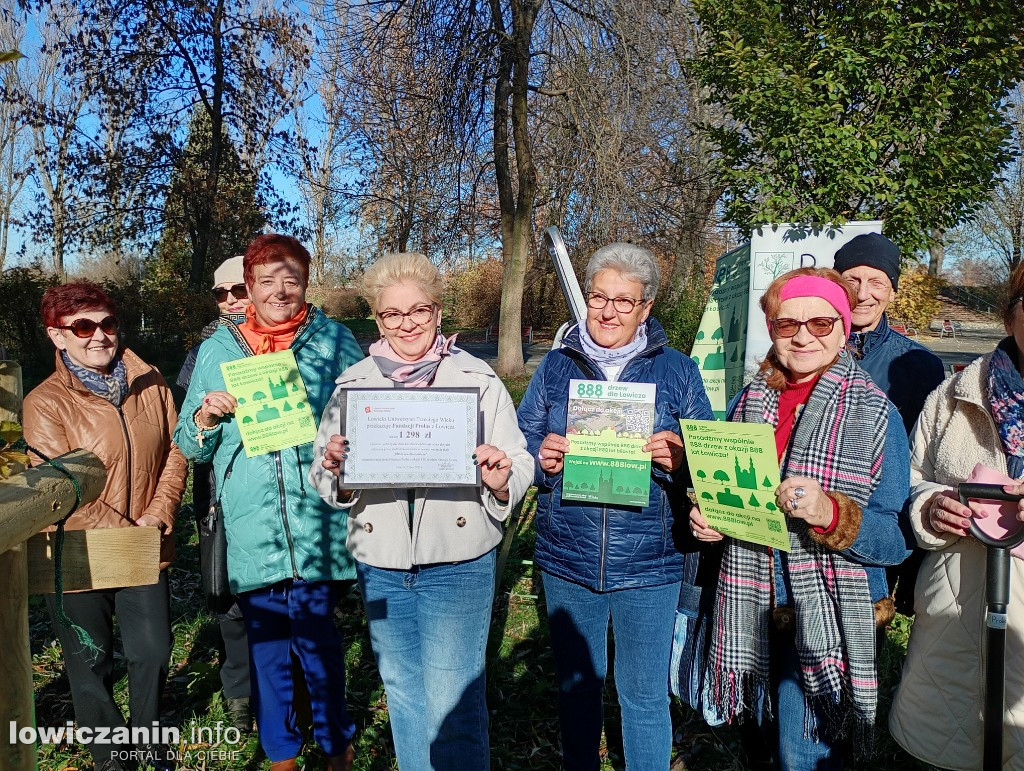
232, 299
976, 417
286, 547
793, 641
105, 399
607, 565
426, 556
906, 371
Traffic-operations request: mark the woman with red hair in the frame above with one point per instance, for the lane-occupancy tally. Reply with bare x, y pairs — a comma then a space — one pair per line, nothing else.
105, 399
286, 547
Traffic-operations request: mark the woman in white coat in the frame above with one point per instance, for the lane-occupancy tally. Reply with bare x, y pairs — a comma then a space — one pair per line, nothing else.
426, 557
977, 416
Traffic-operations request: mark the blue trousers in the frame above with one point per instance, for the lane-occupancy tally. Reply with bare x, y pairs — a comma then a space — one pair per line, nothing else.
642, 622
296, 616
428, 628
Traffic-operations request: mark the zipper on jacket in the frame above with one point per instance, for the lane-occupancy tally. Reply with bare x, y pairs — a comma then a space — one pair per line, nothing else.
128, 448
302, 479
284, 515
604, 545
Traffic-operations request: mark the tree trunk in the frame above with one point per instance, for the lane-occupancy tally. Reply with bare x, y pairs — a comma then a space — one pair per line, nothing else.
512, 84
936, 252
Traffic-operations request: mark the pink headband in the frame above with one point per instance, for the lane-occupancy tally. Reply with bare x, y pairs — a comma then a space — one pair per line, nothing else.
816, 286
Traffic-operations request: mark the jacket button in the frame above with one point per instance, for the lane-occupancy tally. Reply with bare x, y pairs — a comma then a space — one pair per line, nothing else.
460, 522
368, 527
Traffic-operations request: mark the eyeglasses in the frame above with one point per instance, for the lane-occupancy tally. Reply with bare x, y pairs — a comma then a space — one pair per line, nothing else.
819, 326
598, 301
419, 316
238, 291
86, 328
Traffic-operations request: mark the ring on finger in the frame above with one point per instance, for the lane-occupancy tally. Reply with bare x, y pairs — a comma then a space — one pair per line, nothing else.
793, 503
799, 492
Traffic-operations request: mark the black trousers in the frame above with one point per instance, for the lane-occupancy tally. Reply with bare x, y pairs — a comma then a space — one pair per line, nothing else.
144, 617
234, 667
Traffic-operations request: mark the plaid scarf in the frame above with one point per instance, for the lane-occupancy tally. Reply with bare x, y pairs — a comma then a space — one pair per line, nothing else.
1006, 401
112, 387
838, 440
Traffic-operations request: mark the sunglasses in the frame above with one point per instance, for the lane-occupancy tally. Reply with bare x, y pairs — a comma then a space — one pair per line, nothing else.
86, 328
238, 291
819, 326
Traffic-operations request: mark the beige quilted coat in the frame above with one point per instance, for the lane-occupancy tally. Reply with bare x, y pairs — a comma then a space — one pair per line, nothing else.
937, 712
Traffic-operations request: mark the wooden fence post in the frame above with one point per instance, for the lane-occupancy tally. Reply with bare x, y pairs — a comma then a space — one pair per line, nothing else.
16, 663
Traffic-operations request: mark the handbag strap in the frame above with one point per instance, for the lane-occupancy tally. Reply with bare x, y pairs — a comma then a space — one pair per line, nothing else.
227, 474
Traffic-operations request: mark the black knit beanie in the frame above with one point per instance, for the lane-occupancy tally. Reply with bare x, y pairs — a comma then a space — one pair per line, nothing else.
873, 250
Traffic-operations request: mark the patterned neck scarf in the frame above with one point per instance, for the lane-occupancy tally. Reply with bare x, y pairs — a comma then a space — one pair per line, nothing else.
835, 636
112, 387
1006, 401
411, 374
613, 357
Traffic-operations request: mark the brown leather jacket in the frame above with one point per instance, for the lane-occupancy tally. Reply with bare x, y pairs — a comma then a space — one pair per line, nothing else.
145, 470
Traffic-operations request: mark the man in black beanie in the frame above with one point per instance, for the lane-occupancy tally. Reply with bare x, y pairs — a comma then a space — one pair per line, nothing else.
905, 370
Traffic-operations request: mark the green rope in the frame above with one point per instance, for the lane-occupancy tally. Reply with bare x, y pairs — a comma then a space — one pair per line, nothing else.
84, 638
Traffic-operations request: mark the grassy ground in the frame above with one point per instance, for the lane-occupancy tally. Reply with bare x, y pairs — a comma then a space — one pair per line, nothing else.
520, 679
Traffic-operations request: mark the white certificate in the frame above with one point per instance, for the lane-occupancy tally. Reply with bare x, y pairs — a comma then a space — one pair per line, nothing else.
410, 437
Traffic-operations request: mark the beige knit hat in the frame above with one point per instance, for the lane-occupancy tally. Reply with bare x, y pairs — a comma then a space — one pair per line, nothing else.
229, 272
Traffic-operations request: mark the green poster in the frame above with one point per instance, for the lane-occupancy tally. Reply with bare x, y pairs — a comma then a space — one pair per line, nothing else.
720, 346
607, 425
735, 472
273, 410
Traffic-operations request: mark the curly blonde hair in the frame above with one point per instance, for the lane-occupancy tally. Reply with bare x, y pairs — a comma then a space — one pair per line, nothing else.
401, 268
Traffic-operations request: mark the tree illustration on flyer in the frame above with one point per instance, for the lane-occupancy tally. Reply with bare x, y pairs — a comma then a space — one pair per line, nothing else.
735, 472
607, 425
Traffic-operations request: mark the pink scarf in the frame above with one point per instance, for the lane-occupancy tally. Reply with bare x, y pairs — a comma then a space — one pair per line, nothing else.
411, 374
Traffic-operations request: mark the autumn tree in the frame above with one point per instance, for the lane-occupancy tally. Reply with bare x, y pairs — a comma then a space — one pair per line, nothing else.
237, 62
860, 110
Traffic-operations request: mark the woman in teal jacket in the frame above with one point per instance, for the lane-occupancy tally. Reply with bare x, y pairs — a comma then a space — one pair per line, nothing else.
286, 547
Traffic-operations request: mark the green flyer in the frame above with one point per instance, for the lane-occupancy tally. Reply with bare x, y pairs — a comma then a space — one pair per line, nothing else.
735, 472
273, 410
607, 425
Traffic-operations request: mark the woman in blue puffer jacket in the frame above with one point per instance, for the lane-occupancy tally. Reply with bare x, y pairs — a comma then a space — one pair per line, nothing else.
604, 562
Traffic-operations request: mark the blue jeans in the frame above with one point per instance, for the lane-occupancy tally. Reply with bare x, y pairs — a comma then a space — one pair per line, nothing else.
785, 733
428, 628
296, 616
642, 623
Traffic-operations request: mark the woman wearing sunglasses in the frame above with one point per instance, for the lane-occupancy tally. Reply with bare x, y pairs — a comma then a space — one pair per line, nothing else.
232, 299
105, 399
793, 636
613, 565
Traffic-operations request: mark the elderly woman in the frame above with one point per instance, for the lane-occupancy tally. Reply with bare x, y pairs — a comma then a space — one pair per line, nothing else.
613, 562
232, 299
793, 638
286, 549
975, 417
426, 557
105, 399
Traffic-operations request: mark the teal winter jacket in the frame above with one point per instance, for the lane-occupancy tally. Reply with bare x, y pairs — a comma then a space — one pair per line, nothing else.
277, 526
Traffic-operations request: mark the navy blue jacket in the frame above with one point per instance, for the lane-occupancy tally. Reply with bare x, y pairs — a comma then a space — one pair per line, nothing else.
602, 547
905, 371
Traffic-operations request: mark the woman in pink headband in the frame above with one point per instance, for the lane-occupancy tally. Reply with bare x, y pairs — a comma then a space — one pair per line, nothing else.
791, 638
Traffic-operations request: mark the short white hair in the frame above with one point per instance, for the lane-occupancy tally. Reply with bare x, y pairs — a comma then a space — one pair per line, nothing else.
632, 261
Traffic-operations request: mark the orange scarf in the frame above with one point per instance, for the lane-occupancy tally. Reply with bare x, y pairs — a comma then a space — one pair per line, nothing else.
270, 339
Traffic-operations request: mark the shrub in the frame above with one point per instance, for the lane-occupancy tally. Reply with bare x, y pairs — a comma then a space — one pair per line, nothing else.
917, 300
473, 294
339, 302
21, 329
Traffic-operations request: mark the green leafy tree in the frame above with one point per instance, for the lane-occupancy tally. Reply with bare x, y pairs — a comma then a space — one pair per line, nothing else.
866, 109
